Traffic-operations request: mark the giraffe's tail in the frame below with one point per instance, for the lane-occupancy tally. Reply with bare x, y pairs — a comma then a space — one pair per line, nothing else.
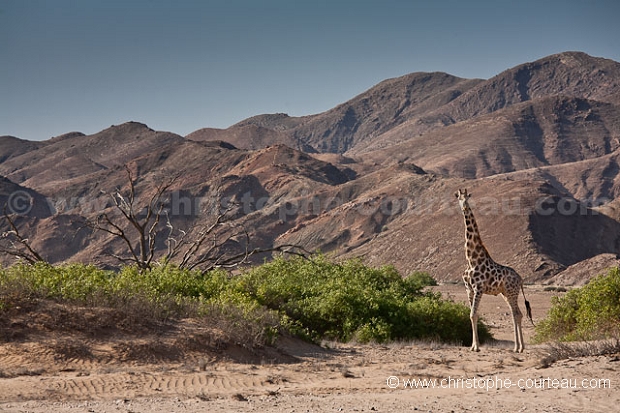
528, 308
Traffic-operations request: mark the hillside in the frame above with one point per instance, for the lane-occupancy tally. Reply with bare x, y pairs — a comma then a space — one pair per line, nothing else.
547, 131
537, 146
419, 103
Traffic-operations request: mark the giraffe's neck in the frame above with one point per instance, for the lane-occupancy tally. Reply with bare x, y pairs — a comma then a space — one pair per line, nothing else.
475, 250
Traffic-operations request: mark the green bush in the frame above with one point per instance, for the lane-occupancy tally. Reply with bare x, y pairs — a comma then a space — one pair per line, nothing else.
311, 298
319, 299
422, 279
164, 292
586, 313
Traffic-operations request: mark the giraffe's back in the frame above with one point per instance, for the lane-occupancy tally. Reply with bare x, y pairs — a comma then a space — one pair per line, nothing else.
495, 279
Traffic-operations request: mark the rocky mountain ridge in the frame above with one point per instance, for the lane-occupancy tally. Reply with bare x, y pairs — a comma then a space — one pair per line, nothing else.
537, 146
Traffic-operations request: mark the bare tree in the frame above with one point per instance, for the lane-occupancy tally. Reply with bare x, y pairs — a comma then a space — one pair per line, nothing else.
135, 223
204, 244
208, 246
13, 243
215, 243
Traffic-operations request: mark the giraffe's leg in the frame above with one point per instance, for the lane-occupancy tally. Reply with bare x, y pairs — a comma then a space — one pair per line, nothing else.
470, 292
473, 316
517, 316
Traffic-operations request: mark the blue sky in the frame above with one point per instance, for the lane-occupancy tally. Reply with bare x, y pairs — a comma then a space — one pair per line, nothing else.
84, 65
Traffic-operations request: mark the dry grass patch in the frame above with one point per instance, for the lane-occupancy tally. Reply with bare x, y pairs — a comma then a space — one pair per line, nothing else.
564, 350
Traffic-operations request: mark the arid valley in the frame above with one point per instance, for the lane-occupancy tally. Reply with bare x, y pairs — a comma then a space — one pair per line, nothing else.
64, 374
537, 146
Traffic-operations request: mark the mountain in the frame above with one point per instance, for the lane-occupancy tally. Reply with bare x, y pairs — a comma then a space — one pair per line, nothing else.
75, 176
546, 131
538, 146
11, 147
363, 118
248, 136
418, 103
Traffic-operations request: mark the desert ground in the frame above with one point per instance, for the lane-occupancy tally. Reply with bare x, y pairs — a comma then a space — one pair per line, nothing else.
54, 374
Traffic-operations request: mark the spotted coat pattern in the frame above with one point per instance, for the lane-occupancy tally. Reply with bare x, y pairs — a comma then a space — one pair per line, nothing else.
484, 276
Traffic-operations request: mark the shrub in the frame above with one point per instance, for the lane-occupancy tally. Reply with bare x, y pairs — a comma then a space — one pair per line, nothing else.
68, 282
421, 279
443, 320
319, 299
586, 313
311, 298
141, 297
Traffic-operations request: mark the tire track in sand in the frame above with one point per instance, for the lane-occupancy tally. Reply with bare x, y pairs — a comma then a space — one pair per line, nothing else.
136, 384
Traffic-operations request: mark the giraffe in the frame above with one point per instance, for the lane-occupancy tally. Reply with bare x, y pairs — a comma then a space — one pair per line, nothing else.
485, 276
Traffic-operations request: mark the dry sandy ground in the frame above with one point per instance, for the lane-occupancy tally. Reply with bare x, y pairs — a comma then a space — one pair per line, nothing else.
300, 377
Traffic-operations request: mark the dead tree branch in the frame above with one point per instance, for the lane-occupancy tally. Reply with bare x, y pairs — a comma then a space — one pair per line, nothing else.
209, 246
15, 244
217, 242
137, 225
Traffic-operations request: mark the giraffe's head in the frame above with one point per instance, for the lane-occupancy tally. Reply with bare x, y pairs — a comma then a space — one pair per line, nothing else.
463, 197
